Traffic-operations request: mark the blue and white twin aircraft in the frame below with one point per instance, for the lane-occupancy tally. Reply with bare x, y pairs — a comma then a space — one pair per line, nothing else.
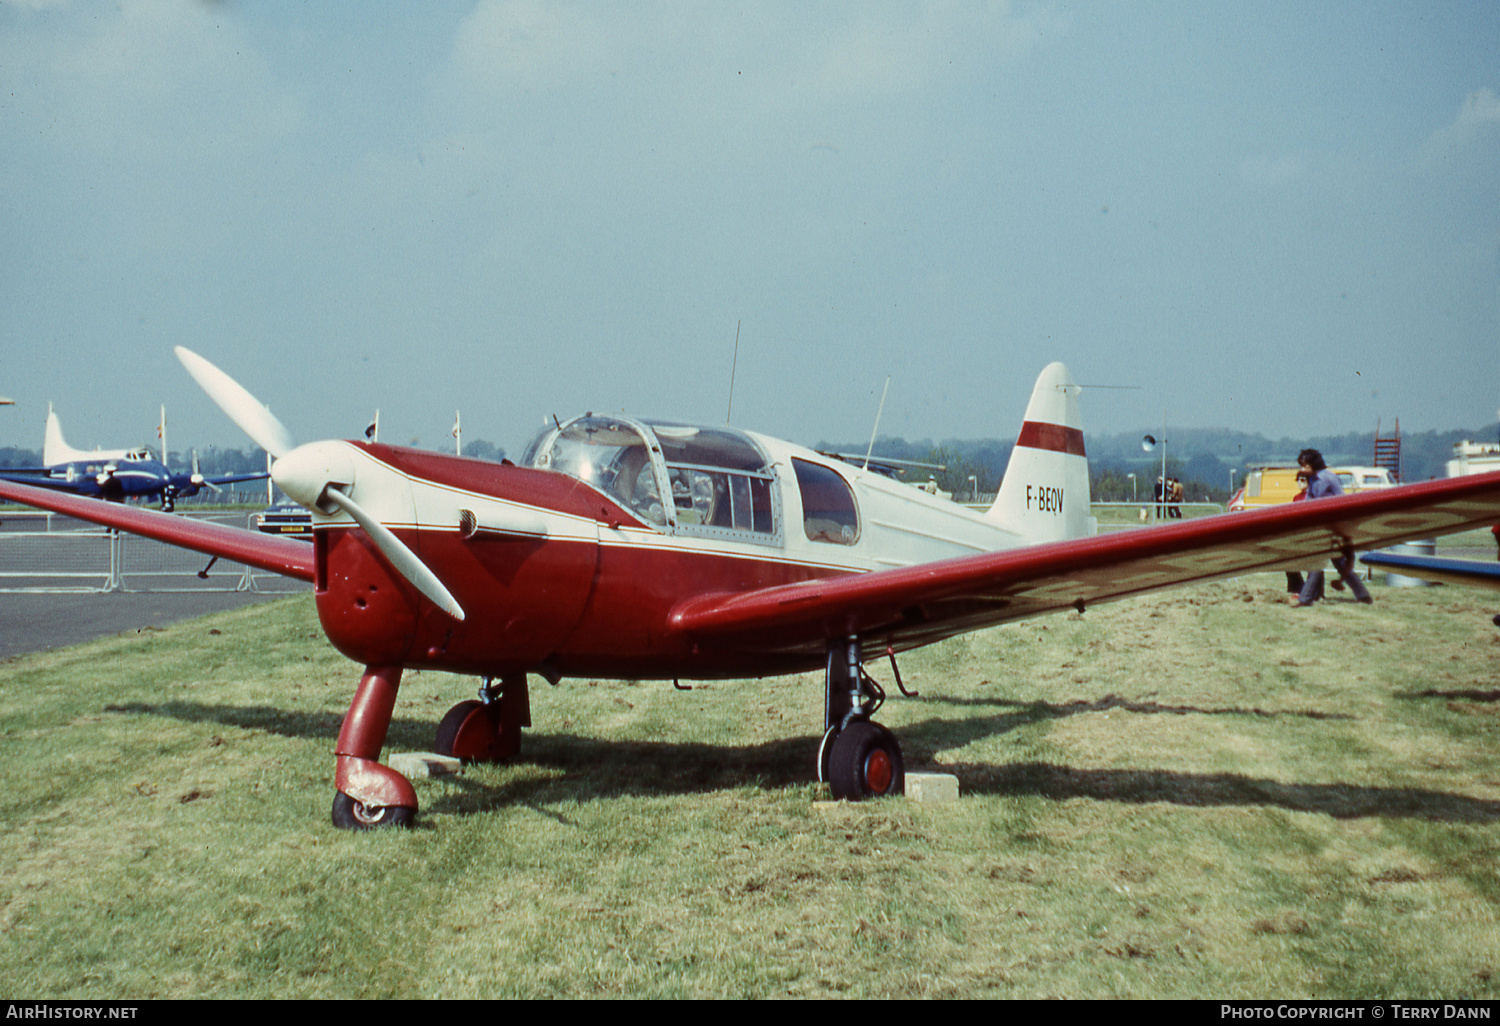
115, 474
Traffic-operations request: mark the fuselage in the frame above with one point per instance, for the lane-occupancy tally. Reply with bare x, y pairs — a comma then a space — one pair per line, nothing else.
130, 474
571, 564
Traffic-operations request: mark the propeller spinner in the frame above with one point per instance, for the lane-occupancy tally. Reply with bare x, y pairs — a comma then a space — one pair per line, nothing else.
318, 475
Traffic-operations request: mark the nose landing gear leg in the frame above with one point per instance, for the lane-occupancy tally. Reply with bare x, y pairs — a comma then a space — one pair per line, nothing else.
369, 794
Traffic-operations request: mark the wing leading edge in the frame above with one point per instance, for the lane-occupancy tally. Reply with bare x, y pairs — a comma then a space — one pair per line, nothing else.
286, 556
913, 606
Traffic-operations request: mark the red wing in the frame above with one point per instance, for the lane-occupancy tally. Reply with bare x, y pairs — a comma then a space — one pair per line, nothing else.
916, 605
286, 556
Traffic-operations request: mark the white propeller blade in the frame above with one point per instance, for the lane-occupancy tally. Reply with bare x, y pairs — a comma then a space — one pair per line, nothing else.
198, 478
308, 475
401, 557
244, 409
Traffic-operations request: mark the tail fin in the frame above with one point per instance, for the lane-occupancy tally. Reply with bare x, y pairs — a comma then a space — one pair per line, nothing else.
1044, 495
54, 449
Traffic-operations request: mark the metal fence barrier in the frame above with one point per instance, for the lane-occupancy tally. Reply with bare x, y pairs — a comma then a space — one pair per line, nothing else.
46, 552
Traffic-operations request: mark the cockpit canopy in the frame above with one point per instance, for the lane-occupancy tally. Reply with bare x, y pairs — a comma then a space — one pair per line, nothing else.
717, 480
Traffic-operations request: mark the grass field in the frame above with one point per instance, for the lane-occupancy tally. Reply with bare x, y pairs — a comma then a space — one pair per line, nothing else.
1199, 794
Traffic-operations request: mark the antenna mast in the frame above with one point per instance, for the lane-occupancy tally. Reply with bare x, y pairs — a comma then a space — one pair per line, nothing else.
878, 413
732, 368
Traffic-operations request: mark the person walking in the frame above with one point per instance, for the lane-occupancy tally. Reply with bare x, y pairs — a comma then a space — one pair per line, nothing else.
1294, 579
1322, 483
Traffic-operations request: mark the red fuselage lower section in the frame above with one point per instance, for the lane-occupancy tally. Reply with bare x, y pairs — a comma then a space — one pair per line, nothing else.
559, 606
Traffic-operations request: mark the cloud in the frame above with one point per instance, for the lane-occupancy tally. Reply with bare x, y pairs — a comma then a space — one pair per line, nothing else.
874, 49
505, 44
1477, 124
141, 78
1268, 171
900, 49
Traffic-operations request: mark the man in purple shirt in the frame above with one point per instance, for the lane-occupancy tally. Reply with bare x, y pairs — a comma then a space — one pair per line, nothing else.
1321, 483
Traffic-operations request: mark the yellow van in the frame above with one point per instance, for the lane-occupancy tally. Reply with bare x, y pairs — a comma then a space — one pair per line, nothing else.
1271, 484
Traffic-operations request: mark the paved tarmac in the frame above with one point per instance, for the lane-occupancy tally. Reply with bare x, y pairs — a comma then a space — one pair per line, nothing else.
40, 622
37, 621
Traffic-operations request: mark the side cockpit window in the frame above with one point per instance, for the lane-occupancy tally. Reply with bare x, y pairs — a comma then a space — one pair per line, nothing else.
828, 510
721, 483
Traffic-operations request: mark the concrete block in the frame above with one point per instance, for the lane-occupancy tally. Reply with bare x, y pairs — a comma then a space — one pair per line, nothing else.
931, 787
417, 765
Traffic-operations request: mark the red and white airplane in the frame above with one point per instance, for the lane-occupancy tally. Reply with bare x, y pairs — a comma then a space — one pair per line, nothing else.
645, 549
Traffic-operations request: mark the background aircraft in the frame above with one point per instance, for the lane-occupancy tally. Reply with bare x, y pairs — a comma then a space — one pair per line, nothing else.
638, 549
1480, 572
115, 474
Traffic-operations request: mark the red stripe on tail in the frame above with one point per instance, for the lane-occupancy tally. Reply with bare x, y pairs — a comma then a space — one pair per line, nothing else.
1052, 437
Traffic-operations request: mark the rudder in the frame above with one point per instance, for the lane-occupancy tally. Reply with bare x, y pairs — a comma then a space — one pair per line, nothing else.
54, 449
1044, 495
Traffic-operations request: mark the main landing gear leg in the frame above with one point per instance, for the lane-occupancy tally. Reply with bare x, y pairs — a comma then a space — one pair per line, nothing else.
858, 757
369, 794
487, 730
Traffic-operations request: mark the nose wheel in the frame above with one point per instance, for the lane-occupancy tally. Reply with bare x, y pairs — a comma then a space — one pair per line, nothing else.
352, 814
370, 795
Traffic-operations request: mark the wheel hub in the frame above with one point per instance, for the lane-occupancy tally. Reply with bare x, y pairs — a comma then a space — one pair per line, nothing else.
369, 815
878, 771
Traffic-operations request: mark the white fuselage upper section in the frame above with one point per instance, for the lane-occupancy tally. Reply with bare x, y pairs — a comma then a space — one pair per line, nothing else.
880, 523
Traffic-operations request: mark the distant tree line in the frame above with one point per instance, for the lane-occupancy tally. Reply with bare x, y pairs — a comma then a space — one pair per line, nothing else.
1201, 458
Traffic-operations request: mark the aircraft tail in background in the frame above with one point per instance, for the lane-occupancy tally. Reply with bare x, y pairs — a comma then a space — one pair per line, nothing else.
54, 449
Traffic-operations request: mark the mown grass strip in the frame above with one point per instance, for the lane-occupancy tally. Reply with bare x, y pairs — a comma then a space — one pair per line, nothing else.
1204, 793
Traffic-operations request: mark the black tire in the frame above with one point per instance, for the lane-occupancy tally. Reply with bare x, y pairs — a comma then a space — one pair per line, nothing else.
865, 763
349, 814
447, 731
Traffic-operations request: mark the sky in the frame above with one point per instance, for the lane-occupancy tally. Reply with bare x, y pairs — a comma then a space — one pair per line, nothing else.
1273, 217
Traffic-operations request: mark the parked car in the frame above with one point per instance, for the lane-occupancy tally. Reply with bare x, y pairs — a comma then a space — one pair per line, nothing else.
285, 518
1363, 479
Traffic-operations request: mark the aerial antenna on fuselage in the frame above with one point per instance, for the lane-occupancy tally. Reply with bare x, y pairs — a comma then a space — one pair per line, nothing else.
877, 420
732, 368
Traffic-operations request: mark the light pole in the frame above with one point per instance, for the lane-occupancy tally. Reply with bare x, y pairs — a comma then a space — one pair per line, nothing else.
1132, 486
1147, 444
1231, 484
